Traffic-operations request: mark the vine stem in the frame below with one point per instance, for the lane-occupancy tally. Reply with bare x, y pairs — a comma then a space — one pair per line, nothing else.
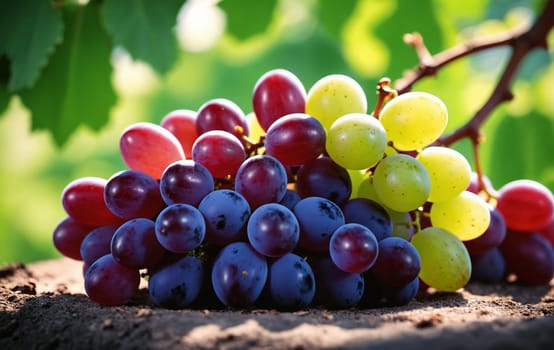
522, 41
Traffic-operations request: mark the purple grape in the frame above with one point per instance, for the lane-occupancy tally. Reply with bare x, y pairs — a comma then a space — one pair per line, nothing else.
239, 274
273, 230
335, 287
97, 243
398, 262
295, 139
370, 214
261, 179
529, 256
291, 282
318, 218
135, 245
491, 238
68, 236
132, 194
353, 248
187, 182
226, 213
488, 267
290, 199
220, 152
277, 93
108, 282
221, 114
180, 228
324, 178
177, 284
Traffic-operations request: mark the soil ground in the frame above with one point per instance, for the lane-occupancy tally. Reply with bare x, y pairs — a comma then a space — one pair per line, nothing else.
43, 306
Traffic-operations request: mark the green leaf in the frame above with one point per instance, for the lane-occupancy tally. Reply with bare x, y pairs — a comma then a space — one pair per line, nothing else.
522, 148
30, 30
145, 29
410, 16
333, 14
4, 76
246, 18
75, 88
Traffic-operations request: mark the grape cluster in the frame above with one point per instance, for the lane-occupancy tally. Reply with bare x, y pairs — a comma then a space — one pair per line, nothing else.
308, 200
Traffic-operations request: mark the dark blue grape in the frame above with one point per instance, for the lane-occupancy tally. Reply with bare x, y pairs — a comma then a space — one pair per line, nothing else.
185, 181
135, 245
353, 248
324, 178
529, 256
318, 218
377, 294
107, 282
226, 213
180, 228
291, 282
290, 199
488, 267
273, 230
398, 262
177, 284
335, 287
97, 243
370, 214
132, 194
239, 274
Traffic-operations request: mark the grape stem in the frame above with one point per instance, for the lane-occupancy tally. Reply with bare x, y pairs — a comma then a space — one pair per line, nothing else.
522, 40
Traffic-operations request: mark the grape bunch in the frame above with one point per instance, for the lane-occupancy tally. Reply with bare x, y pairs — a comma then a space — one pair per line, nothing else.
307, 200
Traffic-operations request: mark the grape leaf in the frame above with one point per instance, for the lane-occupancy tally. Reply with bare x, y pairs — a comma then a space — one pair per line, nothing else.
333, 14
522, 148
30, 30
242, 23
145, 29
75, 87
410, 16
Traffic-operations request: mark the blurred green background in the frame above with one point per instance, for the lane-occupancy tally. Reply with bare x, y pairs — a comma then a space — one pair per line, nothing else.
219, 50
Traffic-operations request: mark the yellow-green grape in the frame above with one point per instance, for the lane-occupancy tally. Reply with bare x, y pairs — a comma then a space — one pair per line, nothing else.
445, 262
334, 96
356, 141
366, 188
356, 177
401, 182
467, 215
402, 225
414, 120
449, 171
254, 127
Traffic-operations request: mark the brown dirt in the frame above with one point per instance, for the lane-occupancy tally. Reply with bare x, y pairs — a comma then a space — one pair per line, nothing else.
43, 306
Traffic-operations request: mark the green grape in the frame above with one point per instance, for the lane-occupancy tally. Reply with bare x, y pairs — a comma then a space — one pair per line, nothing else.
366, 189
449, 171
445, 262
357, 177
402, 224
467, 215
401, 182
356, 141
414, 120
333, 96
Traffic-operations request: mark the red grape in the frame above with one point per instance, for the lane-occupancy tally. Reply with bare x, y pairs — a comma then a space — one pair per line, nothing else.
68, 236
277, 93
491, 238
182, 124
526, 205
295, 139
353, 248
149, 148
83, 200
222, 114
219, 151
